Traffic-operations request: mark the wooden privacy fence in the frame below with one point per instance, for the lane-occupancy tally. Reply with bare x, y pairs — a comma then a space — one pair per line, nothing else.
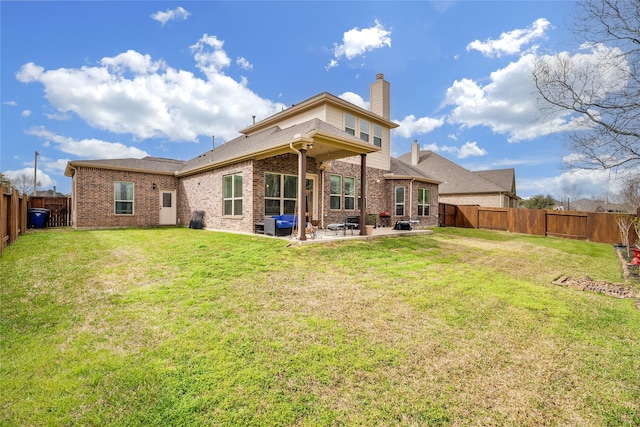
592, 226
14, 213
13, 216
59, 209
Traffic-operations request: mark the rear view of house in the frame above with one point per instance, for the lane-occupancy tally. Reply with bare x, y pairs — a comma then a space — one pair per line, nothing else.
323, 159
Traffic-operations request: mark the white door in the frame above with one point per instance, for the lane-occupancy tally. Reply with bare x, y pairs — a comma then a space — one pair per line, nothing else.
167, 207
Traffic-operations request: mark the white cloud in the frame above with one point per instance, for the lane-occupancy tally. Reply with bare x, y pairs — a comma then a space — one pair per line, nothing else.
88, 148
57, 116
355, 99
511, 42
588, 182
356, 42
25, 113
468, 149
131, 61
244, 63
170, 14
132, 93
45, 180
507, 104
10, 103
411, 126
211, 59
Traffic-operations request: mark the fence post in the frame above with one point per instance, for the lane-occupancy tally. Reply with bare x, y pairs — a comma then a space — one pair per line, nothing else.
14, 220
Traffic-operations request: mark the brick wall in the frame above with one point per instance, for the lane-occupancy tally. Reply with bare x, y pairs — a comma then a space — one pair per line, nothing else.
203, 192
95, 204
411, 201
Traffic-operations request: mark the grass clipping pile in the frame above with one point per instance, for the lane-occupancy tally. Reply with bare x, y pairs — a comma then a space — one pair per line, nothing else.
602, 286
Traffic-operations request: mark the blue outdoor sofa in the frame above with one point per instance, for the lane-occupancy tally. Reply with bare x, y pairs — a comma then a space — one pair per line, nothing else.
280, 225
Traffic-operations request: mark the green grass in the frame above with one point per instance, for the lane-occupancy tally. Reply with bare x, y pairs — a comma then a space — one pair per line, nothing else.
188, 327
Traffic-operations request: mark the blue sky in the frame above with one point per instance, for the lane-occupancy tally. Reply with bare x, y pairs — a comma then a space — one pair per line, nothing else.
90, 80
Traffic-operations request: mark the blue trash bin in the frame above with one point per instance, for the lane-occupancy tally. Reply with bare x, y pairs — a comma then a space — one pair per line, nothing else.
38, 217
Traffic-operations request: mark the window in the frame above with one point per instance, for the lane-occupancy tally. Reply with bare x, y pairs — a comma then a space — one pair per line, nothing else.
232, 194
349, 192
350, 124
335, 192
280, 192
377, 135
424, 199
399, 201
123, 195
364, 130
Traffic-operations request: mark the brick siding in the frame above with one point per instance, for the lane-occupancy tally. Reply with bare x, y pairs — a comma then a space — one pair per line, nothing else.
95, 202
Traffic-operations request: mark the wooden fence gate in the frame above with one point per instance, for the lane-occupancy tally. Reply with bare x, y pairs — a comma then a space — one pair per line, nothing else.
59, 209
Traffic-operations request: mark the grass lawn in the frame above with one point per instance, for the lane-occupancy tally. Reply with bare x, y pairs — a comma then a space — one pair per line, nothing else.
189, 327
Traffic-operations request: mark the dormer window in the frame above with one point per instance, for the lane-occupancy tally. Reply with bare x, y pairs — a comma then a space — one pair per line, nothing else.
364, 130
350, 124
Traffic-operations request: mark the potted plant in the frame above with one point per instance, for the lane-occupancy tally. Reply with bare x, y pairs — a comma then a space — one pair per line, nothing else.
370, 224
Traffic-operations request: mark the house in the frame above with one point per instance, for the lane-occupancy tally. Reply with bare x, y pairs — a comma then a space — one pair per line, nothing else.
49, 193
460, 186
339, 150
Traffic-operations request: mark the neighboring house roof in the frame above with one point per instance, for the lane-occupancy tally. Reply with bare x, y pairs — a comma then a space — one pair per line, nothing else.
49, 193
505, 178
590, 205
146, 164
458, 180
402, 170
273, 141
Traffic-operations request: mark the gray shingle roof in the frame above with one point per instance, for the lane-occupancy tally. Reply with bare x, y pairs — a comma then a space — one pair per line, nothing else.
271, 138
456, 179
146, 164
505, 178
400, 168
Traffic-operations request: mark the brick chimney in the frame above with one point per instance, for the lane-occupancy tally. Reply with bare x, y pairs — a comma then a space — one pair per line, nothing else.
415, 152
379, 97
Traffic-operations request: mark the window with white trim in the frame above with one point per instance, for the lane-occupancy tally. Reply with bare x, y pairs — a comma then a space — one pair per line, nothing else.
399, 201
364, 130
424, 202
123, 197
232, 194
280, 194
350, 123
377, 135
335, 192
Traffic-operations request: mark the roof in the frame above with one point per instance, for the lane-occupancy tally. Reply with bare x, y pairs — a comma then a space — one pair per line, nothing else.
458, 180
505, 178
49, 193
401, 170
314, 101
146, 164
273, 141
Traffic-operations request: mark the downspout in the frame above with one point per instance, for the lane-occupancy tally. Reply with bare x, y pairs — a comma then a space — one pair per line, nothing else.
70, 220
321, 198
411, 198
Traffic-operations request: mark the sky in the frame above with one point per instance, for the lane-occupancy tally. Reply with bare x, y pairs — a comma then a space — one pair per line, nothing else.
94, 80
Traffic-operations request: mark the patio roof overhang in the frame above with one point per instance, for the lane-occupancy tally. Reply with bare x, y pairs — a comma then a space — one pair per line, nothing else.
320, 145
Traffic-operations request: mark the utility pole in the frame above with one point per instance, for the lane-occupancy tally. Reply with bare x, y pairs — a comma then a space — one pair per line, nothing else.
35, 174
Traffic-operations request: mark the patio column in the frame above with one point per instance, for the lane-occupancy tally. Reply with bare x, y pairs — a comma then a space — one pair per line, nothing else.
363, 198
302, 193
